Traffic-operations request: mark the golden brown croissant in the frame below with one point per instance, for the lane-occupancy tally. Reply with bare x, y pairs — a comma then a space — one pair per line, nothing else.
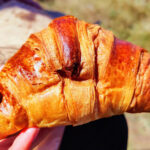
72, 72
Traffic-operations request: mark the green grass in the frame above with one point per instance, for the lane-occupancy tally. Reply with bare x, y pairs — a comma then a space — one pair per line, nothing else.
128, 19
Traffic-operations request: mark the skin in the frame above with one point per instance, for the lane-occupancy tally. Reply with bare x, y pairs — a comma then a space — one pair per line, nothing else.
28, 138
17, 142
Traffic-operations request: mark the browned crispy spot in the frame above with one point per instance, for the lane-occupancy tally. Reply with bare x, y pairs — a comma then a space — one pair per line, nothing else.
1, 97
68, 44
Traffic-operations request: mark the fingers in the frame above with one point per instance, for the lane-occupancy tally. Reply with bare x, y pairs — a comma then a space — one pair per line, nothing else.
24, 140
48, 139
6, 143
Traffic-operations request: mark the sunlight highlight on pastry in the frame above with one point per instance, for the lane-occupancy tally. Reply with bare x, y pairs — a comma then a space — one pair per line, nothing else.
72, 73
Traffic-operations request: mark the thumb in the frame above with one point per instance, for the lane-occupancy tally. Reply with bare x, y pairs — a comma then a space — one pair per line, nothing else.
24, 140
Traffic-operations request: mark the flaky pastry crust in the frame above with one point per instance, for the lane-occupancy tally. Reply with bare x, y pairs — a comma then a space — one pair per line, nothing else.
72, 73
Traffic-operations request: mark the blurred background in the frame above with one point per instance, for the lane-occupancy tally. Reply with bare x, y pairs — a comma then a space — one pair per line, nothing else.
129, 20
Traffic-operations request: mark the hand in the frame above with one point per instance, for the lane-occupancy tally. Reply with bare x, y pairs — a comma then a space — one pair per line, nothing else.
22, 141
46, 138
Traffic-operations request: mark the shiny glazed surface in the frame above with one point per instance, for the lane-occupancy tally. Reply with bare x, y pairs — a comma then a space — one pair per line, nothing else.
72, 72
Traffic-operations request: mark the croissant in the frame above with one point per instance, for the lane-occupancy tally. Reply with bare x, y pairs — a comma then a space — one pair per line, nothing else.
72, 73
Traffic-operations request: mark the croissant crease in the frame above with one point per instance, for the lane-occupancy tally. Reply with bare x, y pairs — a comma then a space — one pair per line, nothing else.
72, 73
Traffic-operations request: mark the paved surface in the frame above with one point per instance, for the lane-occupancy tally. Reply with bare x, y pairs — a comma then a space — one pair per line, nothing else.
18, 21
139, 131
